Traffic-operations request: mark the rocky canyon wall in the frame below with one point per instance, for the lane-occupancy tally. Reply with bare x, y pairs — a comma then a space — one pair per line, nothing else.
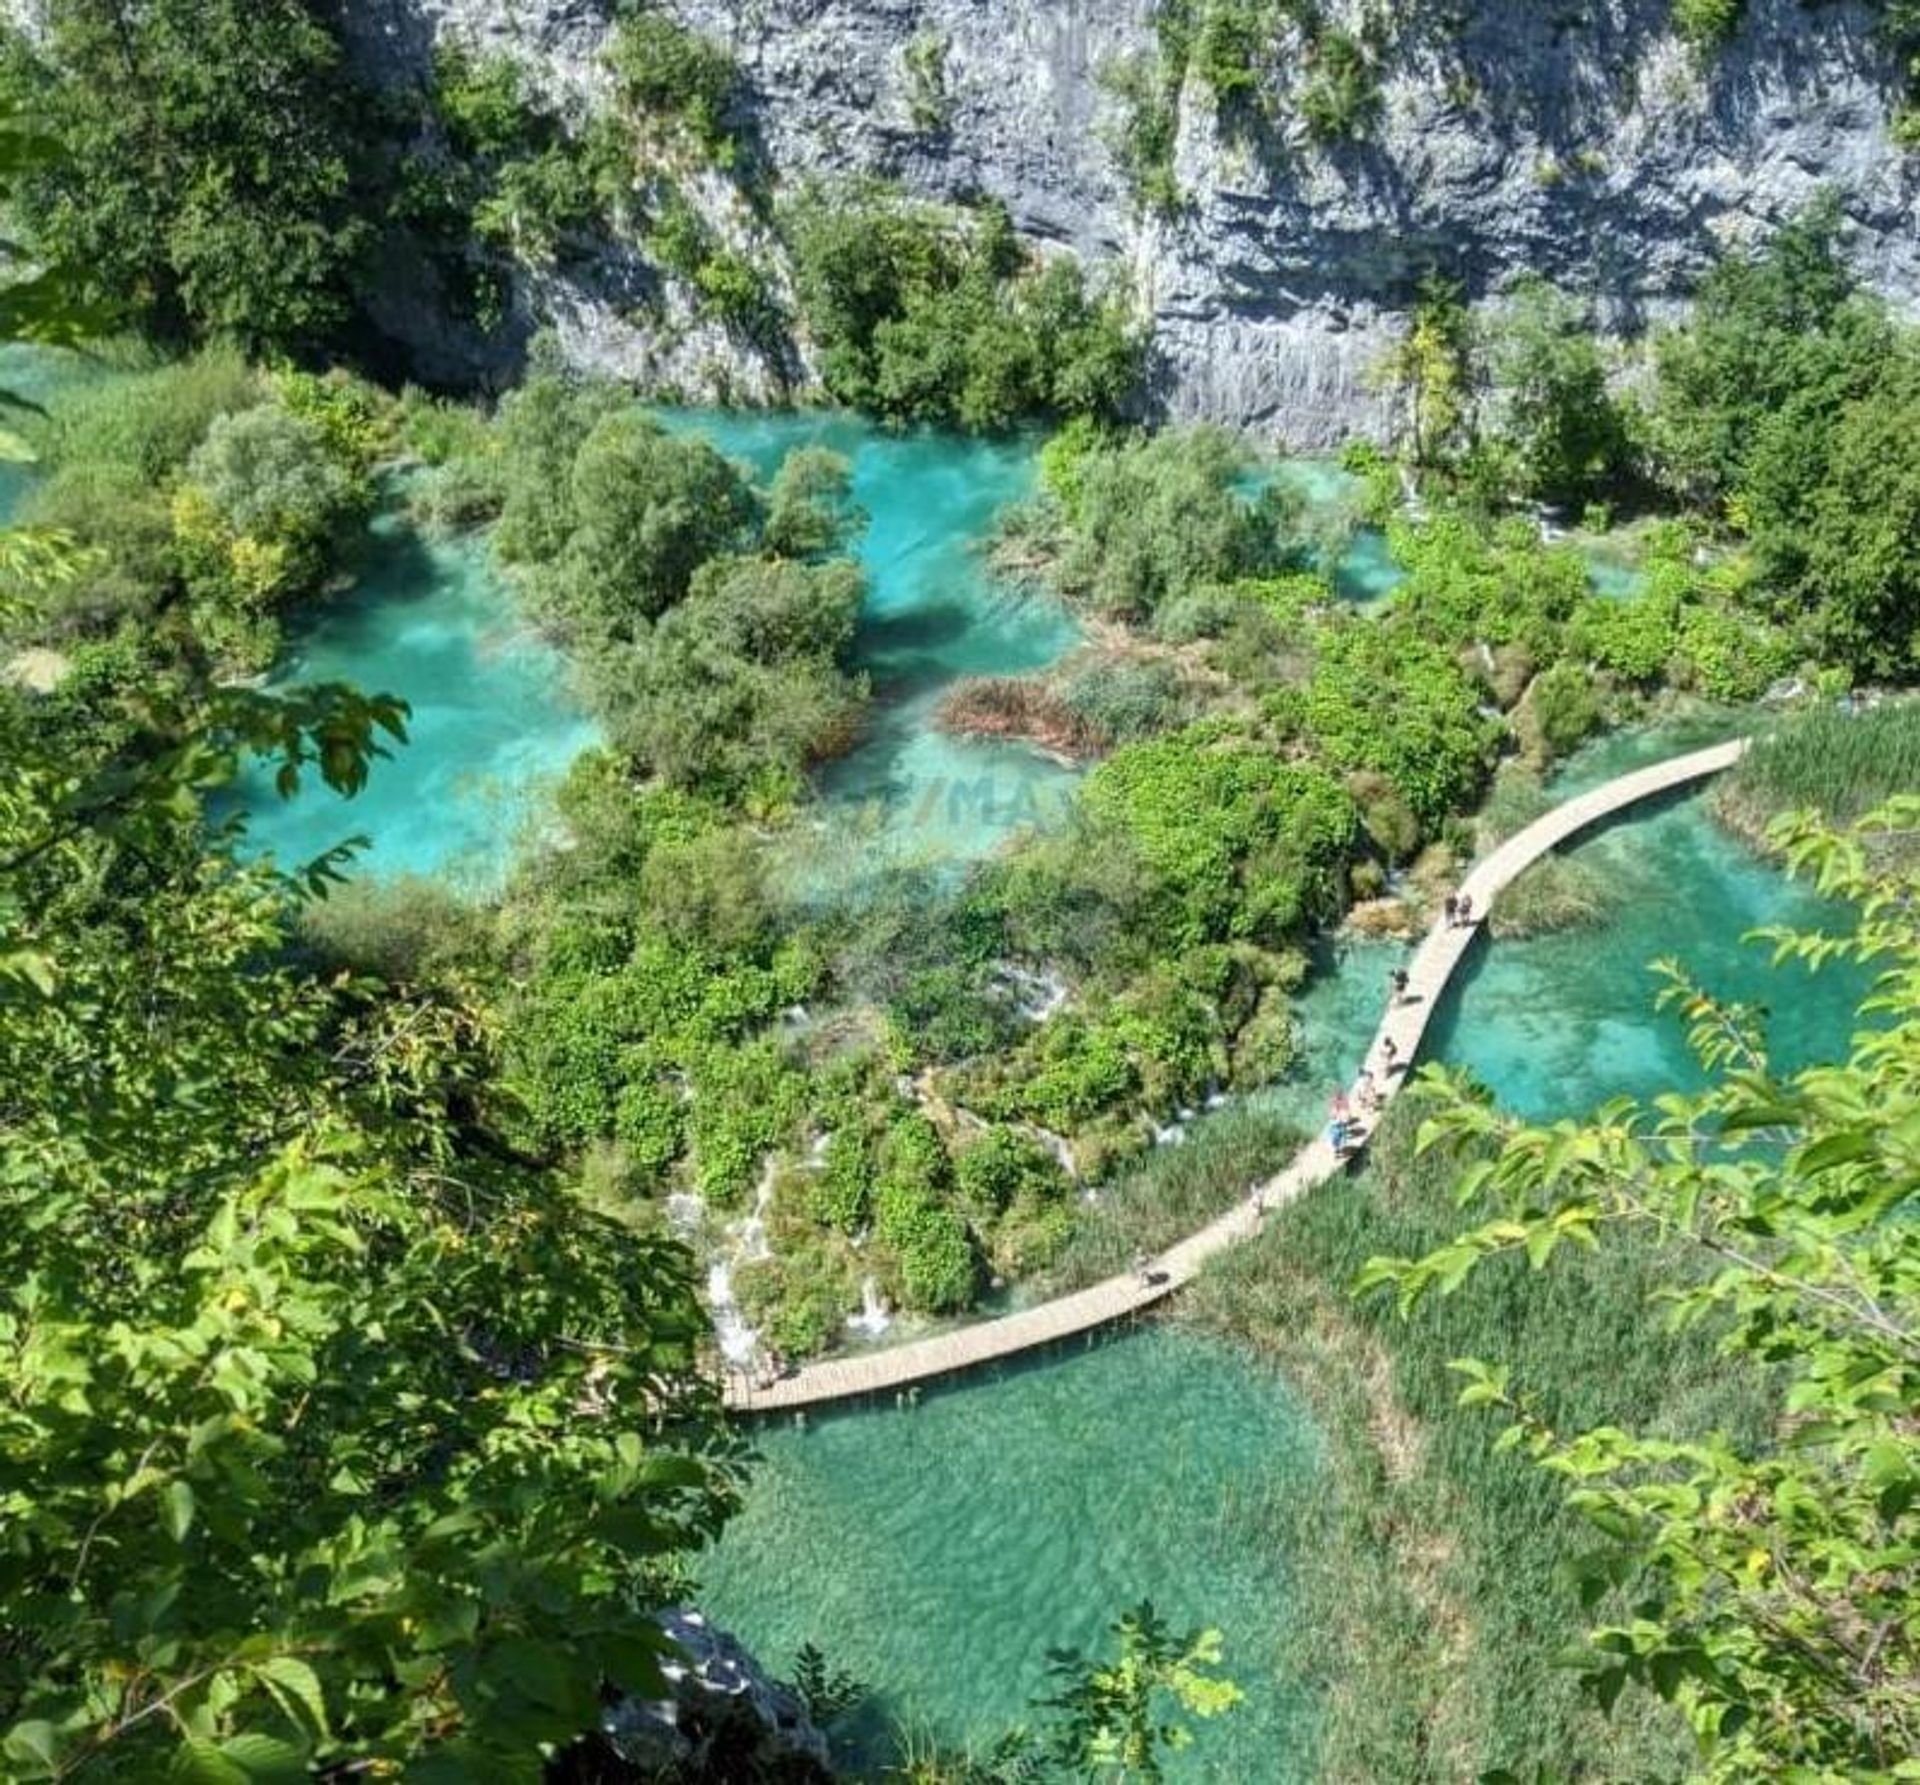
1578, 140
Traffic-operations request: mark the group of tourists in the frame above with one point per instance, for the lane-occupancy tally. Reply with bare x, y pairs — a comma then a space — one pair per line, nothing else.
1345, 1129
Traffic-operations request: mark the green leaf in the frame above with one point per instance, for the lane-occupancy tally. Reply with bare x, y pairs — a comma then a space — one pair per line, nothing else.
176, 1509
197, 1762
35, 1743
294, 1683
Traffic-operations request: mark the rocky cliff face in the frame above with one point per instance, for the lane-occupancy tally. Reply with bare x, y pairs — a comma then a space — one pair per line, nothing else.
1578, 139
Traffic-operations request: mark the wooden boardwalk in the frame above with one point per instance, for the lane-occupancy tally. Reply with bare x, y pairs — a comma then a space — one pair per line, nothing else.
1404, 1026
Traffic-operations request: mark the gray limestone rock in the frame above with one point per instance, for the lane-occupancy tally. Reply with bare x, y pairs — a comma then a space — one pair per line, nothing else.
1577, 138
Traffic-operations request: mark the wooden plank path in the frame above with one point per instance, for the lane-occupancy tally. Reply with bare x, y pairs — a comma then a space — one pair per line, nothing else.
1404, 1026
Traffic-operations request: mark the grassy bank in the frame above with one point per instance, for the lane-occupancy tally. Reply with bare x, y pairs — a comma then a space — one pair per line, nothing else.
1434, 1612
1840, 763
1173, 1192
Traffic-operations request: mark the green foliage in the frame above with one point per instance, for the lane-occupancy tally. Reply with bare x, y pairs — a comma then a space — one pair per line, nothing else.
1157, 516
729, 286
740, 685
263, 500
811, 511
205, 496
314, 1460
642, 510
1431, 371
931, 1248
1431, 1575
663, 72
1110, 1720
1235, 841
1788, 400
1707, 24
1342, 97
827, 1692
112, 451
515, 176
928, 314
208, 181
1754, 1568
1561, 421
1144, 140
1383, 698
1561, 709
929, 102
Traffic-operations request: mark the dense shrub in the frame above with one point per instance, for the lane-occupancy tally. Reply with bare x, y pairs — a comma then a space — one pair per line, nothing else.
207, 496
1384, 698
740, 681
1157, 517
662, 70
935, 315
1563, 424
1235, 842
1789, 398
209, 179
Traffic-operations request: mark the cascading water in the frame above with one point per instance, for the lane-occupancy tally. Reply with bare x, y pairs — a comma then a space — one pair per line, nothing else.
745, 1243
873, 1318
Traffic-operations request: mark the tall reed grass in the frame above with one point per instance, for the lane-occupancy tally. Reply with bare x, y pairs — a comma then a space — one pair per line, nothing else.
1838, 762
1433, 1607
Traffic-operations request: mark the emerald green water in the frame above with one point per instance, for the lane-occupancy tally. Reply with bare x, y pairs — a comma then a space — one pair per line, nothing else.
1557, 1024
939, 1550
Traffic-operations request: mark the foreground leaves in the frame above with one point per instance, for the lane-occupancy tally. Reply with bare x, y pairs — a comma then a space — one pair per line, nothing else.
1774, 1596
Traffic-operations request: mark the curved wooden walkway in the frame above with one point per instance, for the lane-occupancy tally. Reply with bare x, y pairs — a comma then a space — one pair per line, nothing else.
1404, 1026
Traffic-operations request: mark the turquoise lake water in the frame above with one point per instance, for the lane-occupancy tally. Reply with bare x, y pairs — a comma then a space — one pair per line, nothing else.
494, 721
494, 724
938, 1551
908, 792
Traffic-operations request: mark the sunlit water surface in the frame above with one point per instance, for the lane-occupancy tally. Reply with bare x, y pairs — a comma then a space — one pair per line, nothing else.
939, 1550
494, 724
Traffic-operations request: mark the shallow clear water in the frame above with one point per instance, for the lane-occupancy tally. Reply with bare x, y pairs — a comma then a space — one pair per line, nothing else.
908, 792
494, 724
1365, 570
939, 1551
1557, 1024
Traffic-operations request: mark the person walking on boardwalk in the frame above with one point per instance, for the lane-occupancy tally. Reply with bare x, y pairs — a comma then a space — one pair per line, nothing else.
1452, 909
1143, 1267
1465, 910
1400, 983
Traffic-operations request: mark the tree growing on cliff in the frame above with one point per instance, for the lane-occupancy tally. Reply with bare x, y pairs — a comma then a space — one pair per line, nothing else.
1567, 433
1773, 1594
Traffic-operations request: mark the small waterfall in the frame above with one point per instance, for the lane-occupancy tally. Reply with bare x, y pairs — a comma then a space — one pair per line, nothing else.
1037, 996
737, 1340
746, 1244
873, 1318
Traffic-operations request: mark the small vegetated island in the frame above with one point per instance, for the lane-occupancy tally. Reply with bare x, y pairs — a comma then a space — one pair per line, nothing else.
364, 1408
